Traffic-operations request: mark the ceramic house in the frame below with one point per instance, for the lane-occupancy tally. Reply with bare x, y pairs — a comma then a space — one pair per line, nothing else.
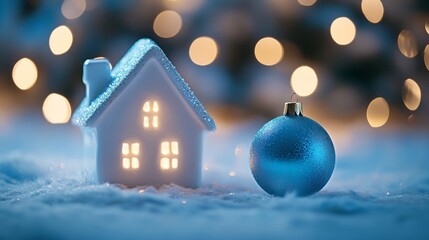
147, 123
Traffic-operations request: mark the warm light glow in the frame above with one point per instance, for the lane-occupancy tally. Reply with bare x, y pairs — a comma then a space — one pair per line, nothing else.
147, 111
165, 148
135, 163
343, 31
167, 24
307, 3
168, 150
175, 148
304, 81
56, 109
426, 56
268, 51
174, 163
373, 10
125, 148
411, 94
203, 51
377, 113
407, 44
72, 9
155, 121
146, 121
165, 163
135, 148
155, 106
427, 26
126, 163
60, 40
24, 74
146, 106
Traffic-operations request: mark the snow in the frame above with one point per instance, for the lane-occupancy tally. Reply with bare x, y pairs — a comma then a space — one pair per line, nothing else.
379, 190
125, 71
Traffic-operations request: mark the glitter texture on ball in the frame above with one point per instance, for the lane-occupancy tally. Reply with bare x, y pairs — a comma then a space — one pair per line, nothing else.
292, 154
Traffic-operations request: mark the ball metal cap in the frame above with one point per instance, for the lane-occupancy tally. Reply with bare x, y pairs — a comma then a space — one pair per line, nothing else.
292, 109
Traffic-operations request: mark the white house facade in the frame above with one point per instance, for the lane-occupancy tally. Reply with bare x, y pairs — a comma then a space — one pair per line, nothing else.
148, 124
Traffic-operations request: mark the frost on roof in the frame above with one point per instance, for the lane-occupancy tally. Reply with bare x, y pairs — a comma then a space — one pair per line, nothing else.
124, 72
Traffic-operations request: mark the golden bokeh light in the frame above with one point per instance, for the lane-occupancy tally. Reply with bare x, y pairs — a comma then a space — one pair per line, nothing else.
24, 74
343, 31
407, 44
373, 10
268, 51
304, 81
203, 51
411, 94
427, 26
56, 109
377, 112
60, 40
72, 9
167, 24
426, 56
307, 3
184, 6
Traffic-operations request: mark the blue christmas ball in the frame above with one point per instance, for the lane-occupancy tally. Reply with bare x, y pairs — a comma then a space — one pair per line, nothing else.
292, 154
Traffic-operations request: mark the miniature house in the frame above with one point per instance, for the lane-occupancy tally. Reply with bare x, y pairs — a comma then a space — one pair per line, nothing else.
146, 122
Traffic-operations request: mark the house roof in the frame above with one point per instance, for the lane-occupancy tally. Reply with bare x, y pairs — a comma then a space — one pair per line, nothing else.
125, 71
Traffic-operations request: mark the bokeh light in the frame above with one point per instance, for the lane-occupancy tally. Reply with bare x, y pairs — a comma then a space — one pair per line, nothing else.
184, 6
203, 51
426, 56
56, 109
72, 9
373, 10
60, 40
377, 113
167, 24
268, 51
24, 74
307, 3
343, 31
304, 81
411, 94
407, 44
427, 26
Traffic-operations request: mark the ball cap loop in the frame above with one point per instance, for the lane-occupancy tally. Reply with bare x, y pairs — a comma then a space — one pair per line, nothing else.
293, 108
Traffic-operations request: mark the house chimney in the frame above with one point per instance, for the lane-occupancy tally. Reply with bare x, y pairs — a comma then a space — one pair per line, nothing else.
96, 77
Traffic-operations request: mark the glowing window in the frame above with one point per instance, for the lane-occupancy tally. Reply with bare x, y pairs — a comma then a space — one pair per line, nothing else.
130, 155
169, 155
150, 114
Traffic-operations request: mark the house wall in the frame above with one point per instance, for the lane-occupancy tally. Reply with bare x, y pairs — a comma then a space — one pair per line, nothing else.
123, 121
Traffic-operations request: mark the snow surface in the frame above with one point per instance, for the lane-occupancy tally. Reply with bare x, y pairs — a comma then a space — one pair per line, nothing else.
379, 190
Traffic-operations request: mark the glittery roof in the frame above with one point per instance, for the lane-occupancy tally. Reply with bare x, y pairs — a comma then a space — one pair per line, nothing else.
125, 71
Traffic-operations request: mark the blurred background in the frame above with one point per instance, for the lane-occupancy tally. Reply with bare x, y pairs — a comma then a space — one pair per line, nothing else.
360, 68
349, 61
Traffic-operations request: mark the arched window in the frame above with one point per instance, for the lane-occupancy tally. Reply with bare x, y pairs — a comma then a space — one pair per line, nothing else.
150, 114
169, 155
130, 155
